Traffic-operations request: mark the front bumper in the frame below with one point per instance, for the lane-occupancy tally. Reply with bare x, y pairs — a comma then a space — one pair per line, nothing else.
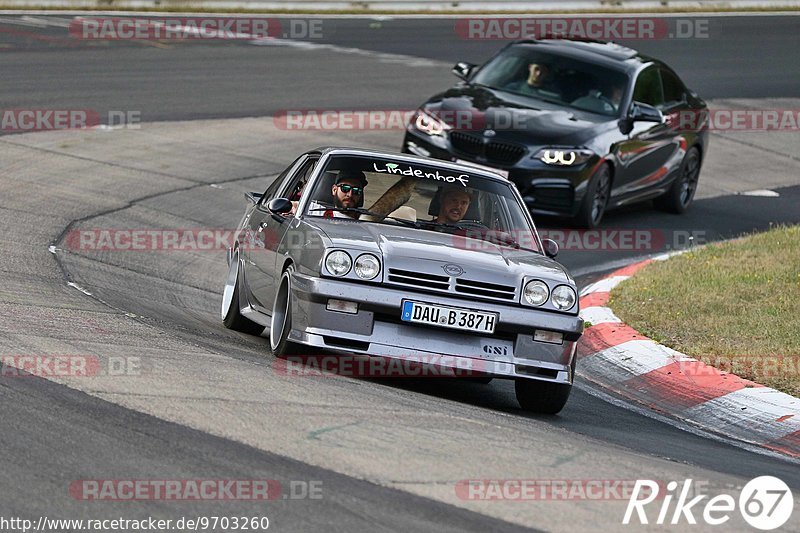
376, 329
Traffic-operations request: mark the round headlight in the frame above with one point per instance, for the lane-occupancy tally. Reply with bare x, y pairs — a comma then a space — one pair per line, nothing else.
338, 263
536, 292
367, 266
564, 297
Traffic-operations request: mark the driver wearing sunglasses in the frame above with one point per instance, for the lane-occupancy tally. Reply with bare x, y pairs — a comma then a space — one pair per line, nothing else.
348, 191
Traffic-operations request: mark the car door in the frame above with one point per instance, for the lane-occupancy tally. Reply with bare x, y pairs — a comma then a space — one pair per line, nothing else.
269, 230
645, 155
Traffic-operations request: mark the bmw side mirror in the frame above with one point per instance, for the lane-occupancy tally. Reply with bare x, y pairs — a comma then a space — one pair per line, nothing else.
279, 206
463, 70
640, 112
550, 247
645, 113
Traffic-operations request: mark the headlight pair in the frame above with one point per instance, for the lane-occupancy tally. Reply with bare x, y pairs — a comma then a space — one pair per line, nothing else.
339, 263
563, 157
536, 292
429, 124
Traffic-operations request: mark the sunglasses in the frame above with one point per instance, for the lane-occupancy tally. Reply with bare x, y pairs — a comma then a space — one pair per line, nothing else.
347, 188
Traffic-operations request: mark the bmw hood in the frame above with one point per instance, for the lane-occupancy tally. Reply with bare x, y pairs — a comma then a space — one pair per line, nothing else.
519, 118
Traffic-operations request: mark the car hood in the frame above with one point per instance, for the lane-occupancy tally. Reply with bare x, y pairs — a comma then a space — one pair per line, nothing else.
429, 251
544, 123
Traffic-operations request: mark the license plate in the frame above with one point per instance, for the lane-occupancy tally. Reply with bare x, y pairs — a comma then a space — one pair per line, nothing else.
502, 172
448, 317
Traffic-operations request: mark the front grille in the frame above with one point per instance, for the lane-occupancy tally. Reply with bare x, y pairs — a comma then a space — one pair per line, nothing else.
419, 279
503, 153
480, 288
495, 152
425, 281
467, 143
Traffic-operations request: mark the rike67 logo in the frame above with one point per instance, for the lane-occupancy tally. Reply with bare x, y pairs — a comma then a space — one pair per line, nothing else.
765, 503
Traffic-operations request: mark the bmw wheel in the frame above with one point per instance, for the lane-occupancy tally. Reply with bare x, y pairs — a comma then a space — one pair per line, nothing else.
596, 198
680, 195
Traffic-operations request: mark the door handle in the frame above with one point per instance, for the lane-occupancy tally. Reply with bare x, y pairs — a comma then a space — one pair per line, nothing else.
262, 226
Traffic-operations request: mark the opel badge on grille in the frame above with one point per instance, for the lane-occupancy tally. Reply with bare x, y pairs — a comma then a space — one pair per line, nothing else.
453, 270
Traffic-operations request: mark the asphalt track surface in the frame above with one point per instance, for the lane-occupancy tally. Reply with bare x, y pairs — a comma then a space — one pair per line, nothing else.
53, 435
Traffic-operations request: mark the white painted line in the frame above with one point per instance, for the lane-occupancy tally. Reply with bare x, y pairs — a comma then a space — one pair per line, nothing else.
405, 60
78, 287
765, 193
633, 358
590, 386
750, 413
599, 315
604, 285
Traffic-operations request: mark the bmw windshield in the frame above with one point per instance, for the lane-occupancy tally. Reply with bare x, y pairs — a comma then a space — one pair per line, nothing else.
425, 197
534, 73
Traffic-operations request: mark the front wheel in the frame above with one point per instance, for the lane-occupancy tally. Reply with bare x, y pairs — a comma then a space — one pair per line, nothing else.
594, 203
231, 316
281, 324
680, 195
542, 397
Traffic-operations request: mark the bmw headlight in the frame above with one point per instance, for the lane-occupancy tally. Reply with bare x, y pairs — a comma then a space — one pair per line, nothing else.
338, 263
535, 292
427, 123
564, 297
563, 157
367, 266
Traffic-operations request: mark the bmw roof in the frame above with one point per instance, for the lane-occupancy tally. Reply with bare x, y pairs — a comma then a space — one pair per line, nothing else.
606, 52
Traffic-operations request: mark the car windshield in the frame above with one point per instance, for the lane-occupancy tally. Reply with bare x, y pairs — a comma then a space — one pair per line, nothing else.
553, 78
421, 196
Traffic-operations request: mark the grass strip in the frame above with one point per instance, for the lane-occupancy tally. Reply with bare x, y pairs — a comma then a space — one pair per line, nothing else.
734, 305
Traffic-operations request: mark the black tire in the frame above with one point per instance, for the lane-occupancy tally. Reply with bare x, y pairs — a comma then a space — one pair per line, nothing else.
231, 316
681, 193
594, 203
281, 325
542, 397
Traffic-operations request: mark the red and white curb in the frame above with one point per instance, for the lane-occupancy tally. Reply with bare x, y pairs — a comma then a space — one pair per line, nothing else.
619, 358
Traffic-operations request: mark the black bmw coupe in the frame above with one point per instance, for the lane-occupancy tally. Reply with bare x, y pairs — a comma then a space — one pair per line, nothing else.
580, 127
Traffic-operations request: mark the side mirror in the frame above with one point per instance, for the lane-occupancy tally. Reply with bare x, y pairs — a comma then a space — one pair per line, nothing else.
279, 206
254, 197
640, 112
463, 70
550, 247
645, 113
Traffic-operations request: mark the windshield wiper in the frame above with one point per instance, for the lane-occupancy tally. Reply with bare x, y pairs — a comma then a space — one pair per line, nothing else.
362, 211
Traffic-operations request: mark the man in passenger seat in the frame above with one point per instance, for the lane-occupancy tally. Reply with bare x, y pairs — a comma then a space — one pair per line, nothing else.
453, 205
